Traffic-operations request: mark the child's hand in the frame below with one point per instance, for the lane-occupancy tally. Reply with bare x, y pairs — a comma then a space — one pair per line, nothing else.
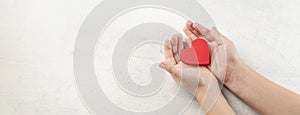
197, 80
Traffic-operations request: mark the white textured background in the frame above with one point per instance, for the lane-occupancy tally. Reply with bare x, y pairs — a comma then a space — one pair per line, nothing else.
37, 39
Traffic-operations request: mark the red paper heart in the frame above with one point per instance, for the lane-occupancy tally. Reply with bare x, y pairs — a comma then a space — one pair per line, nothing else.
197, 55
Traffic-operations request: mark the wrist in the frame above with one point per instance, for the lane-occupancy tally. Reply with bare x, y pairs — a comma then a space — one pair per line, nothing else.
212, 100
200, 94
221, 106
237, 69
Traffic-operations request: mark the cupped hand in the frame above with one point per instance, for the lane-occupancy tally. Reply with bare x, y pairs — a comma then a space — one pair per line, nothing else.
224, 56
196, 79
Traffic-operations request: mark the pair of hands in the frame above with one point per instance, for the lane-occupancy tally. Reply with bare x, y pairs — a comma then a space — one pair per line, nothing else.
264, 96
201, 81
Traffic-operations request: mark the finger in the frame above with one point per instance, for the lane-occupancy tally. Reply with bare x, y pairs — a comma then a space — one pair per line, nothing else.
174, 42
196, 33
196, 30
200, 28
177, 58
175, 46
203, 31
180, 44
169, 53
189, 42
189, 25
162, 65
189, 34
216, 35
185, 45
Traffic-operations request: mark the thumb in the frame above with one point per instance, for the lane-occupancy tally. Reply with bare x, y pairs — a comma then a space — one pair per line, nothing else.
170, 70
167, 67
162, 65
217, 35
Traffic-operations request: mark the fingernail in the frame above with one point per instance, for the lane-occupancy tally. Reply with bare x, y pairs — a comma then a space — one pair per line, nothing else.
162, 66
215, 29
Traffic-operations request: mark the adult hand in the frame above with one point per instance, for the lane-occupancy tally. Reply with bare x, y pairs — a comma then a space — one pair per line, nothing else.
224, 56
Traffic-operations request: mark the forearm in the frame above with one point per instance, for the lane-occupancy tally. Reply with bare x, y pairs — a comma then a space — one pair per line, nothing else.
221, 107
262, 94
215, 103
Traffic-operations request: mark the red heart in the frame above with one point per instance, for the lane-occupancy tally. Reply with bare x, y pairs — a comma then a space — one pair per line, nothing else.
197, 55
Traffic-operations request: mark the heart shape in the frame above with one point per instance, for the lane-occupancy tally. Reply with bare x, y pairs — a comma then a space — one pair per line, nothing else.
198, 55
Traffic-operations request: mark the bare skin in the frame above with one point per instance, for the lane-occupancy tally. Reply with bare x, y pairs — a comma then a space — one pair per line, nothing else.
258, 92
223, 52
199, 81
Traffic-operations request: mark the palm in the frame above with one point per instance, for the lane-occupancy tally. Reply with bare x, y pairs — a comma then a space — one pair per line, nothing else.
222, 49
190, 77
198, 80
